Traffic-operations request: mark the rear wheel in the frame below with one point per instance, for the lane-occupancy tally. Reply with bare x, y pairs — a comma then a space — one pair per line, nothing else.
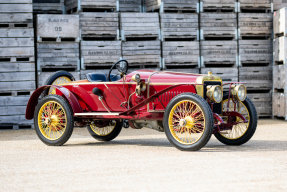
57, 78
242, 132
188, 122
105, 130
54, 121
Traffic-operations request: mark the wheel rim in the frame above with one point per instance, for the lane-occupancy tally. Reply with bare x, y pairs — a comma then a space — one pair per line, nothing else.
240, 129
58, 81
186, 122
103, 131
52, 120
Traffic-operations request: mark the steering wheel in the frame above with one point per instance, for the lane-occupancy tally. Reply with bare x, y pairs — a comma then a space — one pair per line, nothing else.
122, 70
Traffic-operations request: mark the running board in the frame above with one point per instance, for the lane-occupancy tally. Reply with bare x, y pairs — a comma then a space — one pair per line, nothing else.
94, 114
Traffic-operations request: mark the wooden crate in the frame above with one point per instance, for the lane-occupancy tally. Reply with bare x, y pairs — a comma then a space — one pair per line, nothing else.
252, 5
256, 78
218, 53
18, 13
48, 6
262, 103
280, 22
183, 70
278, 4
57, 27
179, 26
280, 50
279, 101
58, 56
99, 25
100, 54
172, 5
142, 53
218, 25
139, 25
180, 53
227, 74
43, 76
255, 52
218, 5
279, 77
16, 33
130, 5
12, 111
90, 5
255, 24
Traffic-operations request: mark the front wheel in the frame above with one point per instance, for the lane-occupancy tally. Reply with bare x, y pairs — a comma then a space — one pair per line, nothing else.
54, 120
188, 122
105, 130
242, 132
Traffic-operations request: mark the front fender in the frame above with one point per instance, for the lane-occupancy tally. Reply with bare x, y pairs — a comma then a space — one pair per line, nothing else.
73, 101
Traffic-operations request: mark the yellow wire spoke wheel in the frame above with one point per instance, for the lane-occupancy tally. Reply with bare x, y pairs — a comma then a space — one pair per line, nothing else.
107, 131
240, 129
186, 122
104, 131
54, 120
242, 132
58, 81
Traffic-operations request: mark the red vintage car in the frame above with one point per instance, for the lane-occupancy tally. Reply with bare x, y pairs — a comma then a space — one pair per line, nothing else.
189, 108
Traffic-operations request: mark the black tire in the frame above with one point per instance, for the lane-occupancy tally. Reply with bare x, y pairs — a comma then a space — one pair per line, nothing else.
208, 118
64, 106
251, 127
56, 75
110, 136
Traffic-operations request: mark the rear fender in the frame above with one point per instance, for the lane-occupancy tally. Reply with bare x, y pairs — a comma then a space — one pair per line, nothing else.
76, 107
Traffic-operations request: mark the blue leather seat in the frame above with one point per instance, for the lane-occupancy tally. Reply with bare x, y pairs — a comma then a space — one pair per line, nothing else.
101, 77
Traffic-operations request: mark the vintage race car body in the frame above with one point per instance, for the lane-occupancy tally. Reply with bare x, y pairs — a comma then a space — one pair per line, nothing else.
143, 102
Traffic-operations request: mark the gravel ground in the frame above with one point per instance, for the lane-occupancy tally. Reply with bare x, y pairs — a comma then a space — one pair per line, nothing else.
143, 160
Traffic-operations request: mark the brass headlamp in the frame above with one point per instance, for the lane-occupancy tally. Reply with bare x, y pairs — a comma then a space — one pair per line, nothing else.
141, 86
214, 93
238, 92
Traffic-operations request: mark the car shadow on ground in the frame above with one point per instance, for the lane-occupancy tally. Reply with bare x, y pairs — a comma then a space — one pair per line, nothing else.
212, 146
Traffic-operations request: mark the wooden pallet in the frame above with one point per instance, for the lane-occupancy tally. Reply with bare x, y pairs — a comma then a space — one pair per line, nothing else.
262, 103
58, 55
280, 23
279, 77
130, 6
179, 26
139, 53
99, 25
43, 76
218, 5
57, 27
16, 14
139, 25
100, 53
279, 101
255, 52
256, 78
280, 50
218, 53
180, 53
255, 24
73, 6
255, 5
48, 6
279, 4
171, 5
227, 74
218, 26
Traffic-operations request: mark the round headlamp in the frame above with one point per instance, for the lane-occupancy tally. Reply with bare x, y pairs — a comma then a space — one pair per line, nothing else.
214, 93
239, 92
136, 78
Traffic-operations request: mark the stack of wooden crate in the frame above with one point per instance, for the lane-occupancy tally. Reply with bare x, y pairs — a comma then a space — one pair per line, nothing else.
280, 64
218, 39
17, 62
48, 6
255, 52
58, 45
